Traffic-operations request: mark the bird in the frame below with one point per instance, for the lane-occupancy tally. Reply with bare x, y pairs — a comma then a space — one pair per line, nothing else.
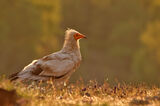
57, 66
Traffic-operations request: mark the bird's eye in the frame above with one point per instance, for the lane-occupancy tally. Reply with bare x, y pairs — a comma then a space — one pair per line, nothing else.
76, 35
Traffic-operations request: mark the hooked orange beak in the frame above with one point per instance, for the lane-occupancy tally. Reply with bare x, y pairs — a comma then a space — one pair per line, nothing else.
84, 37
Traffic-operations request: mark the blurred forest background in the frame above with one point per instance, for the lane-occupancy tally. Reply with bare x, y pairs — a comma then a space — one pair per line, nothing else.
123, 36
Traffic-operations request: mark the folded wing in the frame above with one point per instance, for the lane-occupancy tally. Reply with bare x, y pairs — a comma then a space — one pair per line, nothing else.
55, 66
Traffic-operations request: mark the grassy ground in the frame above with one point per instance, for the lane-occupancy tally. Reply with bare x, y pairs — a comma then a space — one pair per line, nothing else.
82, 94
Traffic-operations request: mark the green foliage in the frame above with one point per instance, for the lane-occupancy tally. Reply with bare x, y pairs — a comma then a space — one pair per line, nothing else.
29, 29
123, 35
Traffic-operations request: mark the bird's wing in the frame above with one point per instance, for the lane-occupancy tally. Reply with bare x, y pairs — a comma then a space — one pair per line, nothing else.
58, 66
54, 65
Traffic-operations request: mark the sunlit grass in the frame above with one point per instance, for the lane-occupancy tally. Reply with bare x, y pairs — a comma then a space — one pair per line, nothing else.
79, 93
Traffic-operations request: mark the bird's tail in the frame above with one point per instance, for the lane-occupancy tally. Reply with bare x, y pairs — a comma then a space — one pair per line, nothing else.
13, 76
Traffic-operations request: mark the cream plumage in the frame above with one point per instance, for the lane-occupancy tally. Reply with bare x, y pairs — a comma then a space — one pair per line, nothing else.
59, 65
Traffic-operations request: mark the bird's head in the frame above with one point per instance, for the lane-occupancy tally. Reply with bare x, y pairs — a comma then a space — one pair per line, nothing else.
74, 35
72, 40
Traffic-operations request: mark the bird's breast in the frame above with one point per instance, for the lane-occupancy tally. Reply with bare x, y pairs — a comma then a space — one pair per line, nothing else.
77, 56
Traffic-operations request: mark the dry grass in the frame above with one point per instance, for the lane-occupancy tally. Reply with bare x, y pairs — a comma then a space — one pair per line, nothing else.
84, 94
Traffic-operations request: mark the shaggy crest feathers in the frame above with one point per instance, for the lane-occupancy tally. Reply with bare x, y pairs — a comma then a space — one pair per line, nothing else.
70, 42
69, 33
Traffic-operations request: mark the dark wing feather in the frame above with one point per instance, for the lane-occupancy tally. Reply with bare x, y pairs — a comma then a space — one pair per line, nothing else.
37, 70
13, 76
55, 77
